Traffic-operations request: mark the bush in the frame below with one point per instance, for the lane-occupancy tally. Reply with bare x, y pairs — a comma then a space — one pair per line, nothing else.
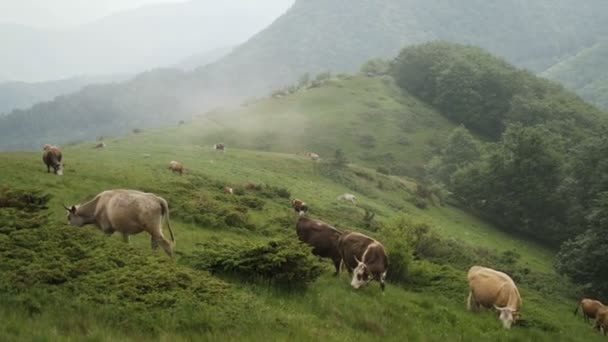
383, 170
283, 262
252, 202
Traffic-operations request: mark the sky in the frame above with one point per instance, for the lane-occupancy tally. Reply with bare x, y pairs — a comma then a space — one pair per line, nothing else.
64, 13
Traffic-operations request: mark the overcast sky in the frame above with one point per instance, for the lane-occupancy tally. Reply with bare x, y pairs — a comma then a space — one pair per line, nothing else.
64, 13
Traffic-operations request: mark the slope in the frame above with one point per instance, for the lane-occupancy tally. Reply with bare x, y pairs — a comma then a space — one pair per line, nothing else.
586, 73
98, 288
339, 35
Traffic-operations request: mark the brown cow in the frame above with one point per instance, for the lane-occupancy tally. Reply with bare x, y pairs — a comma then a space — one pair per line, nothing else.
322, 237
601, 320
299, 206
364, 257
176, 167
589, 308
128, 212
100, 145
219, 147
252, 186
52, 159
228, 190
489, 288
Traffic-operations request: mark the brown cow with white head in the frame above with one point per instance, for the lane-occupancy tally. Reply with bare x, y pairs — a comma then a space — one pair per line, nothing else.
489, 288
364, 257
176, 167
128, 212
299, 206
52, 159
601, 320
322, 237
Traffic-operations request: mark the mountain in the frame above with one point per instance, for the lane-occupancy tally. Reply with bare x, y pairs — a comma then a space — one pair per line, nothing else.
131, 41
19, 95
315, 36
586, 73
201, 59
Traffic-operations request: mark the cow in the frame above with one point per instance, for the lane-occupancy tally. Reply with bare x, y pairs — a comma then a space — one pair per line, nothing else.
219, 147
365, 259
488, 287
589, 308
127, 212
100, 145
322, 237
52, 159
299, 206
601, 320
176, 167
252, 186
312, 156
347, 198
228, 190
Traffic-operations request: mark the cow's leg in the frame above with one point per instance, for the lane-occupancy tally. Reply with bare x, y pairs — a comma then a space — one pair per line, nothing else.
154, 243
382, 279
337, 263
471, 303
126, 237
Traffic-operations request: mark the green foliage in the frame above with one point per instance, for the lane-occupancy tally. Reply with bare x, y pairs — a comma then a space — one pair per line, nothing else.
283, 262
339, 159
375, 67
471, 87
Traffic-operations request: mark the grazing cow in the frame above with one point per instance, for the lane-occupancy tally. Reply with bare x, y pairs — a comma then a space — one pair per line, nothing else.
100, 145
322, 237
128, 212
589, 308
364, 257
488, 287
347, 198
176, 167
219, 147
312, 156
228, 190
299, 206
52, 159
601, 320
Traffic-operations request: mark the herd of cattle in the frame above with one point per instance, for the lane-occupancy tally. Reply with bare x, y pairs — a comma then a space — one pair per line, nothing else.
131, 212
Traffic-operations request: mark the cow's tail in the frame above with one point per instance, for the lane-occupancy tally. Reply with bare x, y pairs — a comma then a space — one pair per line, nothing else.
165, 212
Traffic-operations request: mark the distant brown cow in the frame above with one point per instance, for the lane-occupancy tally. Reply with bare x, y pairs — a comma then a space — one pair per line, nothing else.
252, 186
219, 147
601, 320
128, 212
299, 206
100, 145
322, 237
589, 308
364, 257
176, 167
228, 190
52, 159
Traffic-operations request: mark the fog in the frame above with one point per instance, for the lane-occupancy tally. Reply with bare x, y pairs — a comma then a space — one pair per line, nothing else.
44, 40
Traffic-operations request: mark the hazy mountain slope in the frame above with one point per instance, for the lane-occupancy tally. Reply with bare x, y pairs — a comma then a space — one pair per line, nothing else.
132, 41
586, 73
203, 58
336, 35
14, 95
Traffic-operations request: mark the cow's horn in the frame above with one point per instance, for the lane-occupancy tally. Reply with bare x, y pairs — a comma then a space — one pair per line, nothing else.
66, 208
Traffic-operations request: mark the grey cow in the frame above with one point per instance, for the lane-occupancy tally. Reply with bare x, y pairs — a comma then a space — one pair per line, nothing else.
128, 212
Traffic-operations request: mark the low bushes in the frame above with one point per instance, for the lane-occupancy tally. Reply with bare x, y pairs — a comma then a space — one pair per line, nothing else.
284, 262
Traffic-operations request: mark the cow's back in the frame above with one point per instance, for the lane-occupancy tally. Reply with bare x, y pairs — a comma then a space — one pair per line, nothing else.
491, 287
129, 209
352, 245
321, 236
591, 307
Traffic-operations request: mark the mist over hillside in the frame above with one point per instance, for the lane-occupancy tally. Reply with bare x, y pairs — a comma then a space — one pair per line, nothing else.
131, 41
315, 36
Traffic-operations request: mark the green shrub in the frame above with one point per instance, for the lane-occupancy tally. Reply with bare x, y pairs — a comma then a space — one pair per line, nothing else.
252, 202
284, 262
383, 170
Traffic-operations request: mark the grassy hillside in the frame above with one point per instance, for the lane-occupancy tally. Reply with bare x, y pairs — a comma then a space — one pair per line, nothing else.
586, 73
316, 36
65, 283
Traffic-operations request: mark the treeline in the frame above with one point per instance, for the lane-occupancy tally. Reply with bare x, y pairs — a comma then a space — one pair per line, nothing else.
528, 155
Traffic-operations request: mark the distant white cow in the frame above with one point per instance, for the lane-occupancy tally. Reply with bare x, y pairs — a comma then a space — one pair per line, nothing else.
347, 198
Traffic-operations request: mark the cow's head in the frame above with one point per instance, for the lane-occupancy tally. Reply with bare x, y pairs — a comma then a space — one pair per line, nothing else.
507, 316
73, 218
361, 275
58, 169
